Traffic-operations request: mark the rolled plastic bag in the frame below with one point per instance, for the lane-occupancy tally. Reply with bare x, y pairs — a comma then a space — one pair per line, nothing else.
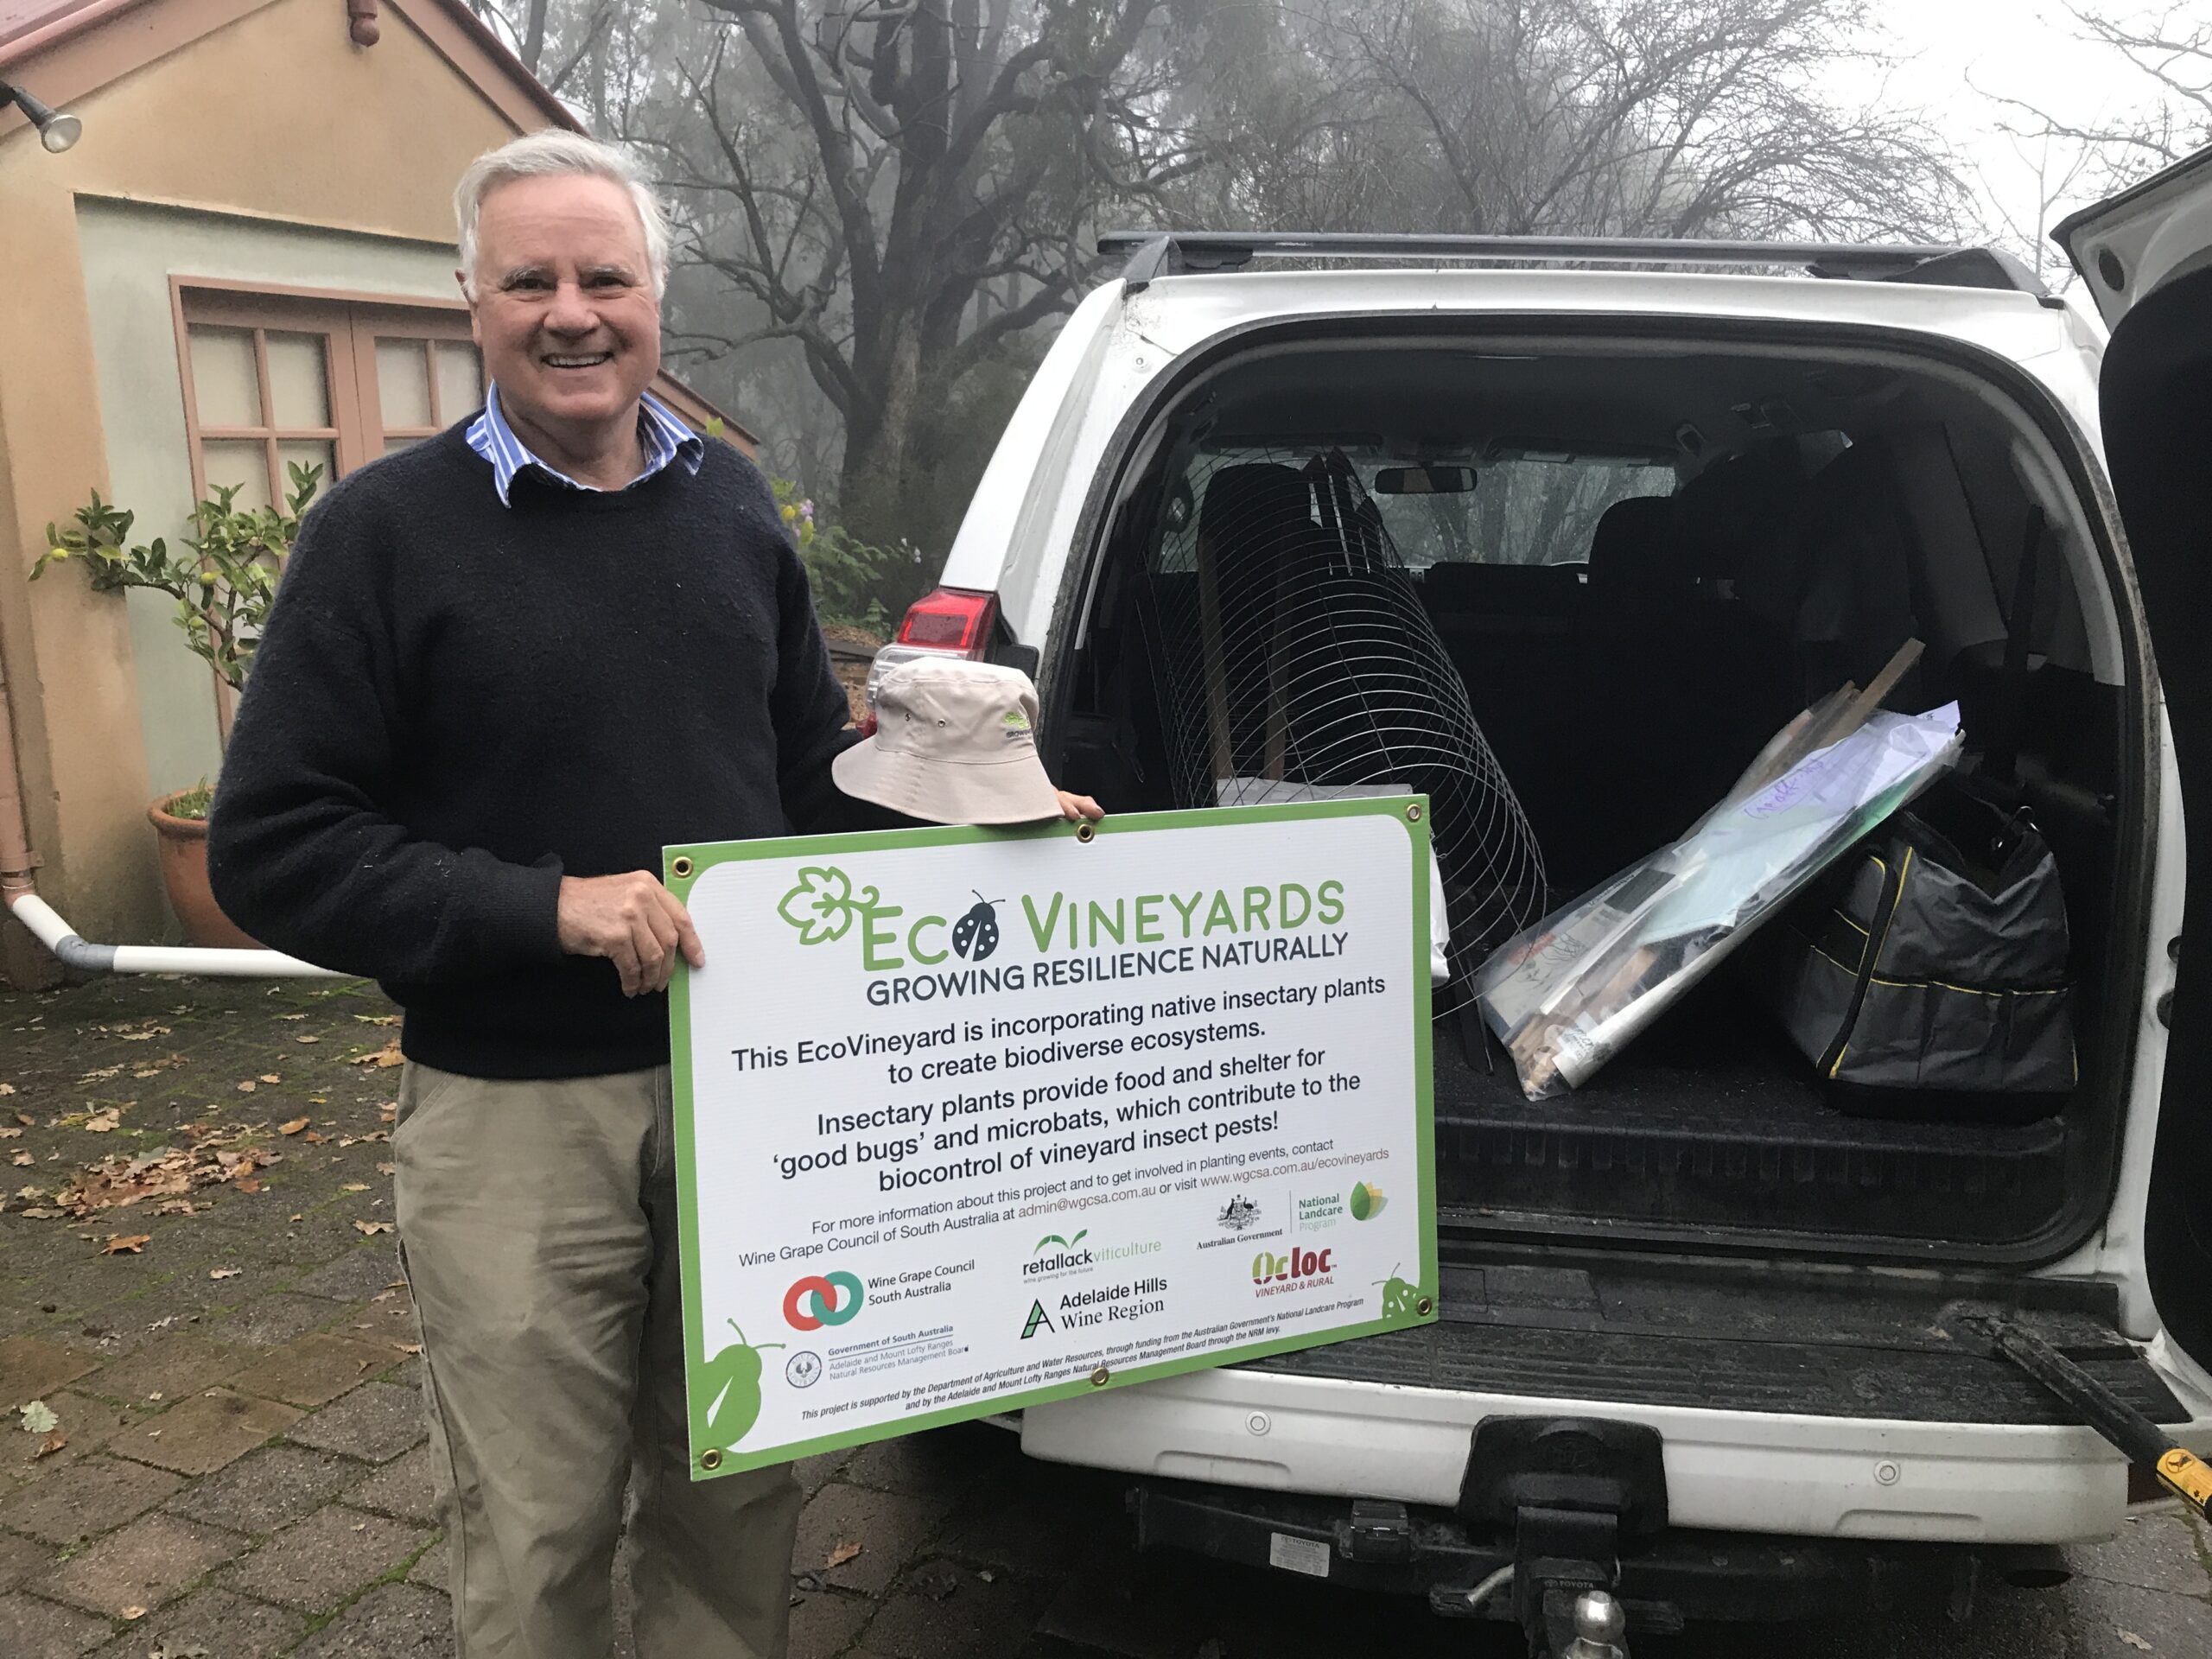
1567, 995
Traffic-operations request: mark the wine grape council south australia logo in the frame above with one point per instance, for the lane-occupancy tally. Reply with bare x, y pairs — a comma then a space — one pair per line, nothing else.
831, 1299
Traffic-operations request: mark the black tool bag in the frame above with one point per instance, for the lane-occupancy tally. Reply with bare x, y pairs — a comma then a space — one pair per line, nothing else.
1932, 960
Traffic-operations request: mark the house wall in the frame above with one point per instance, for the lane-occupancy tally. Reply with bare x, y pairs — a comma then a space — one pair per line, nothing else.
270, 149
130, 249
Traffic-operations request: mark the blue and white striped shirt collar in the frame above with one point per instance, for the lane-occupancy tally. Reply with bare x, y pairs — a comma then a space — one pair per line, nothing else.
661, 435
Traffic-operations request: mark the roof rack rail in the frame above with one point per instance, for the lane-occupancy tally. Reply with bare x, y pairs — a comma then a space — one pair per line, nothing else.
1167, 253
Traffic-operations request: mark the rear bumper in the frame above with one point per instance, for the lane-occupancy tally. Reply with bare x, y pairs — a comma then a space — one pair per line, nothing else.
1676, 1579
1766, 1473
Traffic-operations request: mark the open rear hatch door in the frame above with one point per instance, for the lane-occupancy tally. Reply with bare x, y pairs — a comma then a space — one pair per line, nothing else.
2146, 257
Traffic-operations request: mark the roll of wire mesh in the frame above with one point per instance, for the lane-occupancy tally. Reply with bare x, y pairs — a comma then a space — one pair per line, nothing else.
1288, 648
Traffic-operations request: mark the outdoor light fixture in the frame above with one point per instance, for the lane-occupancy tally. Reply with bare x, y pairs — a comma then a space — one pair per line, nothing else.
56, 130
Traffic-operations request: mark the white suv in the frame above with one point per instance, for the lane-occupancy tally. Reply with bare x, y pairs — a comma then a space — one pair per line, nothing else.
1700, 1338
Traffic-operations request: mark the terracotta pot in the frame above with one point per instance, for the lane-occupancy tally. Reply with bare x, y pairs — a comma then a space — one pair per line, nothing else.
184, 872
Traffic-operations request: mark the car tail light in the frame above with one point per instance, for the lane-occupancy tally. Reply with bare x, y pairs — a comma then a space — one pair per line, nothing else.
944, 622
952, 621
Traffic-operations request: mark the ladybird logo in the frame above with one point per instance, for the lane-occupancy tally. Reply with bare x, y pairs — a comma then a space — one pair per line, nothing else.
822, 1298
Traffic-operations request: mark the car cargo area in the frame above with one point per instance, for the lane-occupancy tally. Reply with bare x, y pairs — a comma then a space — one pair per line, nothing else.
1637, 560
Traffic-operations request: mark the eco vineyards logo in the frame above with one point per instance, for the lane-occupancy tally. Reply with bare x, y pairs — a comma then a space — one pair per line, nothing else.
821, 906
823, 1299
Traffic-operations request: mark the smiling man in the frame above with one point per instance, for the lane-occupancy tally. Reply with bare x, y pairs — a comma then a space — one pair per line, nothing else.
506, 667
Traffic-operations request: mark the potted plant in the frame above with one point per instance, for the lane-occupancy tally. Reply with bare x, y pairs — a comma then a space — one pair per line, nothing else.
223, 578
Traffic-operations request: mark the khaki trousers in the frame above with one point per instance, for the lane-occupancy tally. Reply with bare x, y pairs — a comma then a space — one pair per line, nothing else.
538, 1231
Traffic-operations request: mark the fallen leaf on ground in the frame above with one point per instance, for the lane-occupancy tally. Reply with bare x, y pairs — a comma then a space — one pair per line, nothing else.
224, 1273
10, 1132
371, 1227
7, 1087
23, 1158
314, 1137
842, 1553
408, 1347
146, 1036
248, 1086
52, 1444
2135, 1641
270, 1076
291, 1016
294, 1126
388, 1055
134, 1612
304, 1039
38, 1418
118, 1244
23, 1118
318, 1100
377, 1018
247, 1184
354, 1186
103, 1122
100, 1076
387, 1169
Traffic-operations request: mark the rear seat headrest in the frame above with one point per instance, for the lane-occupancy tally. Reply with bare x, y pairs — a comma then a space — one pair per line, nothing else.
1253, 501
1637, 551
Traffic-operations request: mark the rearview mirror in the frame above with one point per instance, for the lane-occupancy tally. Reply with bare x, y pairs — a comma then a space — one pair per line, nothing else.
1425, 480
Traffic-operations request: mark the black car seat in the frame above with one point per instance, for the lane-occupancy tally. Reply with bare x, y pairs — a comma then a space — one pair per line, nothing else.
1858, 598
1695, 680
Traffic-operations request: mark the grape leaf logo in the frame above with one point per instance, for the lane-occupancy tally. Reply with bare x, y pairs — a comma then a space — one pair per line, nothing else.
821, 906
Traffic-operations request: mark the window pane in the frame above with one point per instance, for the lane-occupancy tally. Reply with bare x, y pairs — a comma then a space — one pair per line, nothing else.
403, 382
305, 452
461, 383
224, 382
393, 446
298, 386
238, 461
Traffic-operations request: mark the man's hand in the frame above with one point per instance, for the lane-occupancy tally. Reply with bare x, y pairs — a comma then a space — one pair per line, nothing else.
1073, 807
633, 921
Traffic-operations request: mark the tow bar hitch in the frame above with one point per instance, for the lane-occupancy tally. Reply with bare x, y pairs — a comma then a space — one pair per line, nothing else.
1571, 1490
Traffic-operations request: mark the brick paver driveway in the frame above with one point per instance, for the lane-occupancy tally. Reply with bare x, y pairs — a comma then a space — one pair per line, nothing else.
237, 1467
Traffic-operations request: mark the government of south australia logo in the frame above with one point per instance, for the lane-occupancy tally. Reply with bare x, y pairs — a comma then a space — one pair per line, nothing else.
821, 906
822, 1298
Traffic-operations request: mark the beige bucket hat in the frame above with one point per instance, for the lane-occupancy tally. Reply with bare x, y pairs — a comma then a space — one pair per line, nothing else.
956, 742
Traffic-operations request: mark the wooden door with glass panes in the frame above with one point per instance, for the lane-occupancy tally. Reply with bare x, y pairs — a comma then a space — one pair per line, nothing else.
268, 383
419, 373
274, 381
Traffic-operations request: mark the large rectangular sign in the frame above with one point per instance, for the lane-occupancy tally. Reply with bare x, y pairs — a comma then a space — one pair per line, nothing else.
967, 1120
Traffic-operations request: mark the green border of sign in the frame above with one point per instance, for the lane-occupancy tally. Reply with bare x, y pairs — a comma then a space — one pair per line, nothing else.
1410, 811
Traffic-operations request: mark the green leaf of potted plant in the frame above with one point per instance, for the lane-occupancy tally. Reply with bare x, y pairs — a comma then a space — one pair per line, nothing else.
223, 577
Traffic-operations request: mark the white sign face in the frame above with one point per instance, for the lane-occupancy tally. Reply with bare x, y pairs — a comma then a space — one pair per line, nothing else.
969, 1120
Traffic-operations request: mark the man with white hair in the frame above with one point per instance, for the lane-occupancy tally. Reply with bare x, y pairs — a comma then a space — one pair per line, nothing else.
506, 666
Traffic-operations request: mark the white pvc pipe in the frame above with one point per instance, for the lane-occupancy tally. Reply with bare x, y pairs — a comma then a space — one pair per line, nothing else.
60, 938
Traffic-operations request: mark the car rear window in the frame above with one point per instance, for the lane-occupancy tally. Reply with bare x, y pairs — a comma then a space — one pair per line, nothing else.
1525, 509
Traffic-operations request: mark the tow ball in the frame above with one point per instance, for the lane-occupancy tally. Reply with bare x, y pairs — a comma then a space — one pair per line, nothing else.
1600, 1623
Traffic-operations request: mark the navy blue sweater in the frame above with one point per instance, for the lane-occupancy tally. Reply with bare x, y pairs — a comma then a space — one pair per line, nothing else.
456, 702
